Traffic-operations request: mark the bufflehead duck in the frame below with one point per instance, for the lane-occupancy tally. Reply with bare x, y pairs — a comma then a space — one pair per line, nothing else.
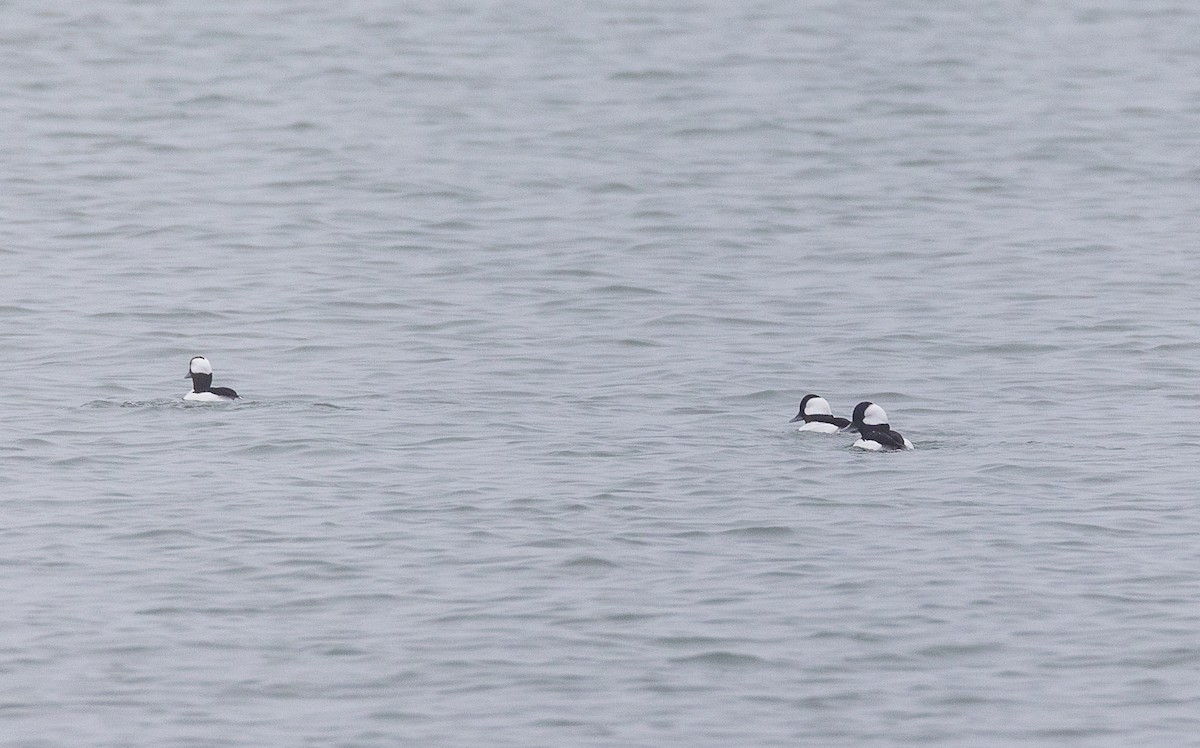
815, 412
202, 390
876, 436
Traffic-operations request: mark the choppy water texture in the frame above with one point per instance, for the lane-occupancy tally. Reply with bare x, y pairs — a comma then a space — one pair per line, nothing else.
520, 297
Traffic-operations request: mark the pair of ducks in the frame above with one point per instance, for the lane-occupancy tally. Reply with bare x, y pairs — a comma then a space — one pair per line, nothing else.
868, 420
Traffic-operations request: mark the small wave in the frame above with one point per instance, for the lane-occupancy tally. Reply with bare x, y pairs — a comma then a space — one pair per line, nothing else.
591, 562
627, 290
608, 188
132, 403
650, 74
721, 658
241, 404
766, 531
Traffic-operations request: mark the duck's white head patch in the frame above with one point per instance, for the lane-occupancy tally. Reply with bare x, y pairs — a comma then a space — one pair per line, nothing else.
817, 406
200, 365
874, 415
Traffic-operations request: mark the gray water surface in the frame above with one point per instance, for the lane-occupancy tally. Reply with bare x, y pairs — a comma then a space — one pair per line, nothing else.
520, 297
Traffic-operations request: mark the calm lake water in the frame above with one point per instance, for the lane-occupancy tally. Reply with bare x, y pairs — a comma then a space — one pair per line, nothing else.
520, 297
